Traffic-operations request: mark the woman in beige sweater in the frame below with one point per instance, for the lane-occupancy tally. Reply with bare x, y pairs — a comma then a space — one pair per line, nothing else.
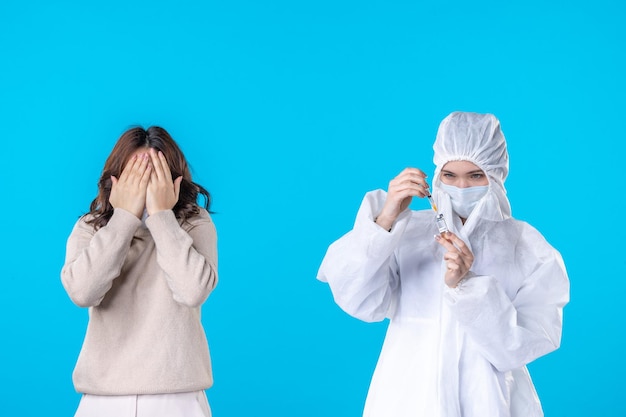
143, 260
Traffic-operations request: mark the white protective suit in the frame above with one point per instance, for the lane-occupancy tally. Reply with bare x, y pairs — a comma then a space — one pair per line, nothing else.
453, 352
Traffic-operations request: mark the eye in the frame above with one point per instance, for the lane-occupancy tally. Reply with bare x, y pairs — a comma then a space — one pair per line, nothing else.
478, 176
448, 174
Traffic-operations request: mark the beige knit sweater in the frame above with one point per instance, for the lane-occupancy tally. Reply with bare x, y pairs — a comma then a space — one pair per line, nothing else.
144, 285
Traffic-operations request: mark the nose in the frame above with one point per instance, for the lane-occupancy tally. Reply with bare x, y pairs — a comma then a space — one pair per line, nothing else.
463, 183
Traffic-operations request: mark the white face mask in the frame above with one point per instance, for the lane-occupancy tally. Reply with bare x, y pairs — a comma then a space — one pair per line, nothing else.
464, 199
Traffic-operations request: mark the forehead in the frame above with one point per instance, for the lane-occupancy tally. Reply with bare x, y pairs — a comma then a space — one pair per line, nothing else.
460, 167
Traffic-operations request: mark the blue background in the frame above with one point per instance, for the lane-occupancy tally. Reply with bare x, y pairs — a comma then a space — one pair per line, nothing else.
288, 113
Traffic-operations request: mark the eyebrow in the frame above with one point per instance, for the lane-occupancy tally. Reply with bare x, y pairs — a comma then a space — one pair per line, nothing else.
476, 171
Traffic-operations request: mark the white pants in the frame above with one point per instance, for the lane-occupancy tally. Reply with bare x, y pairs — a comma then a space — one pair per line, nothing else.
185, 404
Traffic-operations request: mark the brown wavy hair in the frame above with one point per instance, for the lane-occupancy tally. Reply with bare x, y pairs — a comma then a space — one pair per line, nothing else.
152, 137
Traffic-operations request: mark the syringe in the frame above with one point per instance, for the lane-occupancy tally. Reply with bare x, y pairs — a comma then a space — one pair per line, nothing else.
432, 202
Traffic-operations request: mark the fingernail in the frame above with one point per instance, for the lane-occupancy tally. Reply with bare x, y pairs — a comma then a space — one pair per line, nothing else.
437, 237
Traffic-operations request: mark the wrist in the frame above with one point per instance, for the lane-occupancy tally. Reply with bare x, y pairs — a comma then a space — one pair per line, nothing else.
156, 210
460, 283
134, 212
384, 222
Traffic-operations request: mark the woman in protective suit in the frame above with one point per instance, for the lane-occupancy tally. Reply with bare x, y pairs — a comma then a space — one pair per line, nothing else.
468, 308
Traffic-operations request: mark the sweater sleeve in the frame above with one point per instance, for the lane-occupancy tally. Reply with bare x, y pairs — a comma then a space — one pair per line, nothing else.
511, 333
94, 259
360, 267
188, 257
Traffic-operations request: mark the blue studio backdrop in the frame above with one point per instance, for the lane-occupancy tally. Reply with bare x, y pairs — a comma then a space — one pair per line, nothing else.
288, 113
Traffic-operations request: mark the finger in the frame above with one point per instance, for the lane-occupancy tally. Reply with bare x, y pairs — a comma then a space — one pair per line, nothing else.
453, 267
443, 241
449, 236
156, 163
413, 171
463, 256
144, 162
419, 178
402, 197
146, 174
460, 244
415, 190
153, 179
409, 189
166, 167
413, 181
137, 169
177, 183
452, 256
128, 168
410, 180
458, 260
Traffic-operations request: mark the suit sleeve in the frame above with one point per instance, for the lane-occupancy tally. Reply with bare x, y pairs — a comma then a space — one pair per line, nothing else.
360, 267
513, 332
